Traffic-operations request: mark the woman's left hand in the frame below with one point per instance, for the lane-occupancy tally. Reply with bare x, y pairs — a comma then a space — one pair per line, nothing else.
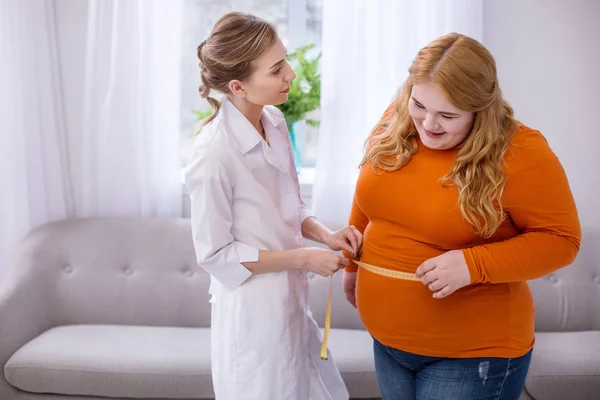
445, 274
348, 238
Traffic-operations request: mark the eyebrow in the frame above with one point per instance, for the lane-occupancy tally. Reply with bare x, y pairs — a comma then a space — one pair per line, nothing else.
439, 112
277, 63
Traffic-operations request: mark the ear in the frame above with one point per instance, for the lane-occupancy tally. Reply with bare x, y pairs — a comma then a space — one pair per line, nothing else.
236, 88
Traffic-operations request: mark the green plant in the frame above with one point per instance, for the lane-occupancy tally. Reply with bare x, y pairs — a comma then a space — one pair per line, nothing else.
201, 114
305, 90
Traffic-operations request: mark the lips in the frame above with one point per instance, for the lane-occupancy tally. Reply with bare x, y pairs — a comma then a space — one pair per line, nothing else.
433, 135
286, 90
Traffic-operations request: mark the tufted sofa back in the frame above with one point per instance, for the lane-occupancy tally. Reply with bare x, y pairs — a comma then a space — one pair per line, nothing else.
569, 299
144, 272
116, 271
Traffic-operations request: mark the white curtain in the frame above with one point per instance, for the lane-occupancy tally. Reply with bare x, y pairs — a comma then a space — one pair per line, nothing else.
112, 148
367, 49
130, 133
34, 178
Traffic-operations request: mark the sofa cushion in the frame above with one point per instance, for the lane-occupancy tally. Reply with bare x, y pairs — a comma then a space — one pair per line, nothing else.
115, 361
352, 351
565, 365
153, 362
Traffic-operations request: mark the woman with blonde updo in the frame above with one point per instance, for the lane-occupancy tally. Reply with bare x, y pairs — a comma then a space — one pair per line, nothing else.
249, 221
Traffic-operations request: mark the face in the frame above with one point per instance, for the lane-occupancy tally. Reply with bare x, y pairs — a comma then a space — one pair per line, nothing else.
269, 84
440, 124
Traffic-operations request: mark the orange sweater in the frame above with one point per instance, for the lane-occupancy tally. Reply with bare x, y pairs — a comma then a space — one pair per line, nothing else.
407, 217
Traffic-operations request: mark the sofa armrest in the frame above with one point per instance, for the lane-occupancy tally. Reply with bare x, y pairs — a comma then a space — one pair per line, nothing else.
24, 314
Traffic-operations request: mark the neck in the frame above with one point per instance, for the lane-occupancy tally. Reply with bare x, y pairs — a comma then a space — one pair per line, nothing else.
251, 111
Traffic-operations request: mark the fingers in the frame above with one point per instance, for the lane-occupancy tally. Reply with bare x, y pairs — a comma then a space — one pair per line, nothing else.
350, 240
351, 237
348, 247
445, 292
334, 265
429, 277
343, 262
427, 266
436, 285
347, 242
359, 238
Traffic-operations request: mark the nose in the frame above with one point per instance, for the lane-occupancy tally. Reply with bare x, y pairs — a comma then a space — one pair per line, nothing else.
291, 75
430, 123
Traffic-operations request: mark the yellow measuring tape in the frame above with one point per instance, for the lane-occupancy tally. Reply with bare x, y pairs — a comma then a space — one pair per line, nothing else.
371, 268
407, 276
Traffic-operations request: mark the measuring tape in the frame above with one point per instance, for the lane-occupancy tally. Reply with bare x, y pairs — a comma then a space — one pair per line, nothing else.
371, 268
407, 276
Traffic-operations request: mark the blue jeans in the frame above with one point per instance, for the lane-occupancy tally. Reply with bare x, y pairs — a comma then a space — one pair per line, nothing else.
407, 376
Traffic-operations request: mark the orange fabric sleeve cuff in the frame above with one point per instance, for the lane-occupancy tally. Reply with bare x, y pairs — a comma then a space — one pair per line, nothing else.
474, 271
352, 267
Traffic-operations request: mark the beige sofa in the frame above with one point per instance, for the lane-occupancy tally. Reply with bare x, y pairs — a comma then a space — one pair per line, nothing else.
118, 308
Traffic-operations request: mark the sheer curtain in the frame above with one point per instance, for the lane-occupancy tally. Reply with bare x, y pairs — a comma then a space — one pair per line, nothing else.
112, 148
367, 49
129, 140
34, 176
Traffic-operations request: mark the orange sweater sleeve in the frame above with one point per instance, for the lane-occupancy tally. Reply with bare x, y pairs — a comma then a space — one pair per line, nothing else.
538, 199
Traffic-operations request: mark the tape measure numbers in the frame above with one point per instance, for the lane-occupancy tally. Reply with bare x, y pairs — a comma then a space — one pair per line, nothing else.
407, 276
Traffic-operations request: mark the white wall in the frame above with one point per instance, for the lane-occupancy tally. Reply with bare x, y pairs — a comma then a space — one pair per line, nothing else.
548, 56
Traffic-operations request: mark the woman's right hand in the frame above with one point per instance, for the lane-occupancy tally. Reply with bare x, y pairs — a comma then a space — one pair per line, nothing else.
349, 286
321, 261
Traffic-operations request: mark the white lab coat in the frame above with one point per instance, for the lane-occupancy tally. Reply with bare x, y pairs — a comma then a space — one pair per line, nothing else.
245, 197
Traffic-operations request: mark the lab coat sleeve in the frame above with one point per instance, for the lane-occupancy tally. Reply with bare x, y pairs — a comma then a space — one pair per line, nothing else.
217, 251
304, 210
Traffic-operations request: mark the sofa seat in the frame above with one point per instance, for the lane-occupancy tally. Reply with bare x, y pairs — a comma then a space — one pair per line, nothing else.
119, 361
565, 365
352, 351
115, 361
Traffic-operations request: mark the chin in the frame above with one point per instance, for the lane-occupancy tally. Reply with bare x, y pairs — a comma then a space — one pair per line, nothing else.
282, 98
433, 143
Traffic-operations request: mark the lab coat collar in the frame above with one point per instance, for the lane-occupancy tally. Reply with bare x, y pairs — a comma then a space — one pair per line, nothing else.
245, 135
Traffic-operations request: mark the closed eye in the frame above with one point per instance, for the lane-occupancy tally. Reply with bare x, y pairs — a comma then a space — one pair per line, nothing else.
445, 116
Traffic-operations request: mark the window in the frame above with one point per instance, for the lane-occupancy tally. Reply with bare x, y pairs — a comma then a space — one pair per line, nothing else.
298, 22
